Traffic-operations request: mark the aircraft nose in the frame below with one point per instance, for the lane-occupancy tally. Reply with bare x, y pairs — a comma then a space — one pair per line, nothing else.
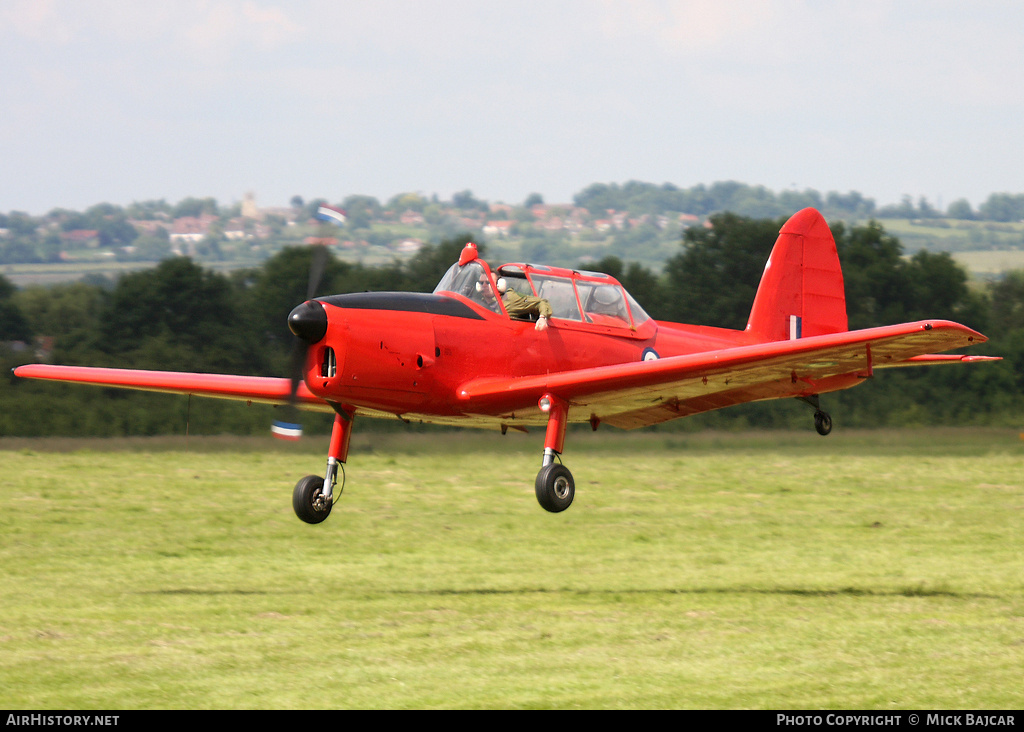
308, 321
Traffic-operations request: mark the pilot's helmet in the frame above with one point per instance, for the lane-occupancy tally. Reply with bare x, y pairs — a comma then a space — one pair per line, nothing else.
606, 295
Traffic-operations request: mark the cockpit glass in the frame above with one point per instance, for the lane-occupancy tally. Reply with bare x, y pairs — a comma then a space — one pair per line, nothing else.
639, 315
560, 294
603, 304
472, 281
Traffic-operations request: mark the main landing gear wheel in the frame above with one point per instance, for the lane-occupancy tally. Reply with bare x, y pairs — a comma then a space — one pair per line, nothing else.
555, 487
308, 500
822, 422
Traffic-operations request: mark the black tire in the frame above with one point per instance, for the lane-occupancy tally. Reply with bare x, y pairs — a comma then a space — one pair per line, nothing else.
306, 500
822, 423
555, 488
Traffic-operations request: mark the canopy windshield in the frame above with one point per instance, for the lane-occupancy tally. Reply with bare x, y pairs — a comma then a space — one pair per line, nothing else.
471, 280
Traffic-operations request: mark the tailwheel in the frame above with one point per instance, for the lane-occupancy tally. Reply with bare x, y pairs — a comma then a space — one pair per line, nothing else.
822, 422
555, 487
309, 501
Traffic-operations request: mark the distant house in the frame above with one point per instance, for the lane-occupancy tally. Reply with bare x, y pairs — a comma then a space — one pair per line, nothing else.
191, 229
498, 228
409, 246
81, 238
235, 229
148, 226
411, 218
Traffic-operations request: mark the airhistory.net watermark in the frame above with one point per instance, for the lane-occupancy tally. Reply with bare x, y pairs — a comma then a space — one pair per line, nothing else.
62, 720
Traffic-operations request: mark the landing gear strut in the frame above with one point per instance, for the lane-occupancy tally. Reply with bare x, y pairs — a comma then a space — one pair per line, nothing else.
313, 496
555, 487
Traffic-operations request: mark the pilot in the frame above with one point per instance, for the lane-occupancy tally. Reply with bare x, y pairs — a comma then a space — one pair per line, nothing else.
486, 292
522, 306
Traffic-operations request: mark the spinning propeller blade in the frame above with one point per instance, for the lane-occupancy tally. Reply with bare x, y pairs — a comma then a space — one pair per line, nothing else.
305, 322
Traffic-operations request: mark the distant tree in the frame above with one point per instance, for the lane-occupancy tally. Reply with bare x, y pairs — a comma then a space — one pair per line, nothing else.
851, 204
70, 313
1007, 297
361, 211
797, 200
407, 202
466, 201
905, 210
873, 274
116, 231
178, 316
640, 282
14, 326
427, 266
195, 207
100, 211
534, 199
311, 207
960, 209
940, 288
270, 292
714, 279
1002, 207
20, 223
149, 210
925, 210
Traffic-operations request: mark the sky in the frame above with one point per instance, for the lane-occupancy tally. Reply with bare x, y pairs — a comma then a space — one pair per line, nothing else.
117, 101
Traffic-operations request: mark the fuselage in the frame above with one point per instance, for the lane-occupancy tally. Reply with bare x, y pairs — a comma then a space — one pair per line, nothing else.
408, 353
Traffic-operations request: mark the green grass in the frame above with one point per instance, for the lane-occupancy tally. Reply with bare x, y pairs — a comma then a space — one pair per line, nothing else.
778, 571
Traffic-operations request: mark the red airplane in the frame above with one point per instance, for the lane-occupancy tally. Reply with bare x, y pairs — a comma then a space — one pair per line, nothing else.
457, 357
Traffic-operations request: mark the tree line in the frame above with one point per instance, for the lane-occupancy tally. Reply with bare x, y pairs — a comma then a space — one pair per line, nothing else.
37, 239
181, 316
640, 197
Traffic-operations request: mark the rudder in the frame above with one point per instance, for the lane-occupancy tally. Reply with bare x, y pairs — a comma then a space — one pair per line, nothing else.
801, 292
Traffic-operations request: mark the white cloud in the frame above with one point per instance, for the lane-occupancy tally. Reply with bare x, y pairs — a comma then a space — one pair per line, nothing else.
227, 24
527, 96
36, 20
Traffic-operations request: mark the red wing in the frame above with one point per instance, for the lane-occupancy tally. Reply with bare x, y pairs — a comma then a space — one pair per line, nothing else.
243, 388
648, 392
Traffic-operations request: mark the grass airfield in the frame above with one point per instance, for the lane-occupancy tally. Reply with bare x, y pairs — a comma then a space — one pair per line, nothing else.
868, 570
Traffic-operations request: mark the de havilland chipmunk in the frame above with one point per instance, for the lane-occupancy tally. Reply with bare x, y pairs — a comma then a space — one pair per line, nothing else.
525, 345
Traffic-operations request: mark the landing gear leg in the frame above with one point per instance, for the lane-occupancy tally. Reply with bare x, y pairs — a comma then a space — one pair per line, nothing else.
822, 419
313, 496
555, 487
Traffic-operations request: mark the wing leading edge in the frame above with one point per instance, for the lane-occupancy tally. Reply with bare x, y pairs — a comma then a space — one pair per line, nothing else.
260, 389
644, 393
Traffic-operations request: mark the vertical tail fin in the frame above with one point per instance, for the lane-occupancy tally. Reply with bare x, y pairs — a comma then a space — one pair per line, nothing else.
801, 292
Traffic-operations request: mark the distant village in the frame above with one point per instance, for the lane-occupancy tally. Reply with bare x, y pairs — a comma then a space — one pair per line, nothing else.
246, 232
498, 222
635, 221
